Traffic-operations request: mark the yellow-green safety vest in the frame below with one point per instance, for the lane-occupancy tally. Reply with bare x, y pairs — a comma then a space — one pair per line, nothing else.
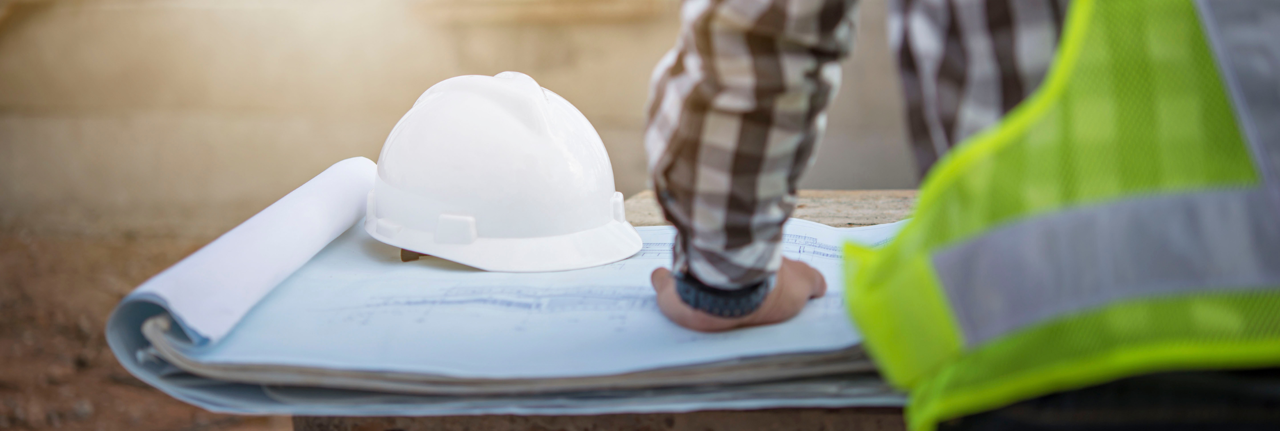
1124, 219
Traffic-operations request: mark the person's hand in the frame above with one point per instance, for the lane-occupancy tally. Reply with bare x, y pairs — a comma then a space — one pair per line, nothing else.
797, 282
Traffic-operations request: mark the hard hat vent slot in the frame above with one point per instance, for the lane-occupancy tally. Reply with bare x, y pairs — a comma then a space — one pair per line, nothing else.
455, 229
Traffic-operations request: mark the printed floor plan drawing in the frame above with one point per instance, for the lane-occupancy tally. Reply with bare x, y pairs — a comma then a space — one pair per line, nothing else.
424, 316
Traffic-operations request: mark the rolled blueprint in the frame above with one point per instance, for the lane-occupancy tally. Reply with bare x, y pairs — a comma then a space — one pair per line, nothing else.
211, 290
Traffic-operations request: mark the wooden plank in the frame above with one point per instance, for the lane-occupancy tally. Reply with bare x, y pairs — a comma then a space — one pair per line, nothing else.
840, 208
859, 419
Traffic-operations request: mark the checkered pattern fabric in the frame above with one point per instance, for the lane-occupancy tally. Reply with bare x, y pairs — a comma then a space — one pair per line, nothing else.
737, 106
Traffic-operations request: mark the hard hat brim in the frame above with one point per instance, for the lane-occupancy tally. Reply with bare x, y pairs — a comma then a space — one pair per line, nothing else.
602, 245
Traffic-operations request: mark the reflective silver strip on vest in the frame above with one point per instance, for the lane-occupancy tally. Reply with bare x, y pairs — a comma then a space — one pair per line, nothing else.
1245, 35
1079, 259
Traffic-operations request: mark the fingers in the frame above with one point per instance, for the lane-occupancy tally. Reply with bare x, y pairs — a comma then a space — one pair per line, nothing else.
662, 280
794, 272
820, 282
665, 288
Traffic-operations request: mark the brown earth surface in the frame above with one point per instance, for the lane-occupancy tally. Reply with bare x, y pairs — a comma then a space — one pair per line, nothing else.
56, 371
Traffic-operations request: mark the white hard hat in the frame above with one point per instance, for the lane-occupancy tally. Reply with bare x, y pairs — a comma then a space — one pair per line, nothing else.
501, 174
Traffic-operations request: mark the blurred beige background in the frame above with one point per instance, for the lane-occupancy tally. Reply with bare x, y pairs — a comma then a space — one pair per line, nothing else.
151, 117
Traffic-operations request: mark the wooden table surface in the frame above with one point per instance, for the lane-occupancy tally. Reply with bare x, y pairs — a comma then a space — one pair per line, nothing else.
840, 208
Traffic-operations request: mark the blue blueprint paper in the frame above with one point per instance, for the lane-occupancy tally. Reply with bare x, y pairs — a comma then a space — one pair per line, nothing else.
355, 306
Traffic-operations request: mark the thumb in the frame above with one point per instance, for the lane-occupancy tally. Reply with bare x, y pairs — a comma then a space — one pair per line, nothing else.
661, 280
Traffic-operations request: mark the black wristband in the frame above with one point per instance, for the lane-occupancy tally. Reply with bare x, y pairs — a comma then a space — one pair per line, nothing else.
721, 302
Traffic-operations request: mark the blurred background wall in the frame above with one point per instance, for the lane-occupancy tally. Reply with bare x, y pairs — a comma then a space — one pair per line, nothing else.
160, 117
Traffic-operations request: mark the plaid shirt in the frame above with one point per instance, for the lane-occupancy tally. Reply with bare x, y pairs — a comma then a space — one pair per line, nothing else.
738, 104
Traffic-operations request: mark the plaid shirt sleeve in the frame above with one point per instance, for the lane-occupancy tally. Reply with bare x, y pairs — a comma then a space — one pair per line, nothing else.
964, 64
735, 110
738, 104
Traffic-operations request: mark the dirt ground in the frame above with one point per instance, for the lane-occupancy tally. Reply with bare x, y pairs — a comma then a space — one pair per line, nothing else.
56, 371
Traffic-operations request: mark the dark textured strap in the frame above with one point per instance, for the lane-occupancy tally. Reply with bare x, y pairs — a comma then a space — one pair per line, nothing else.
721, 302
